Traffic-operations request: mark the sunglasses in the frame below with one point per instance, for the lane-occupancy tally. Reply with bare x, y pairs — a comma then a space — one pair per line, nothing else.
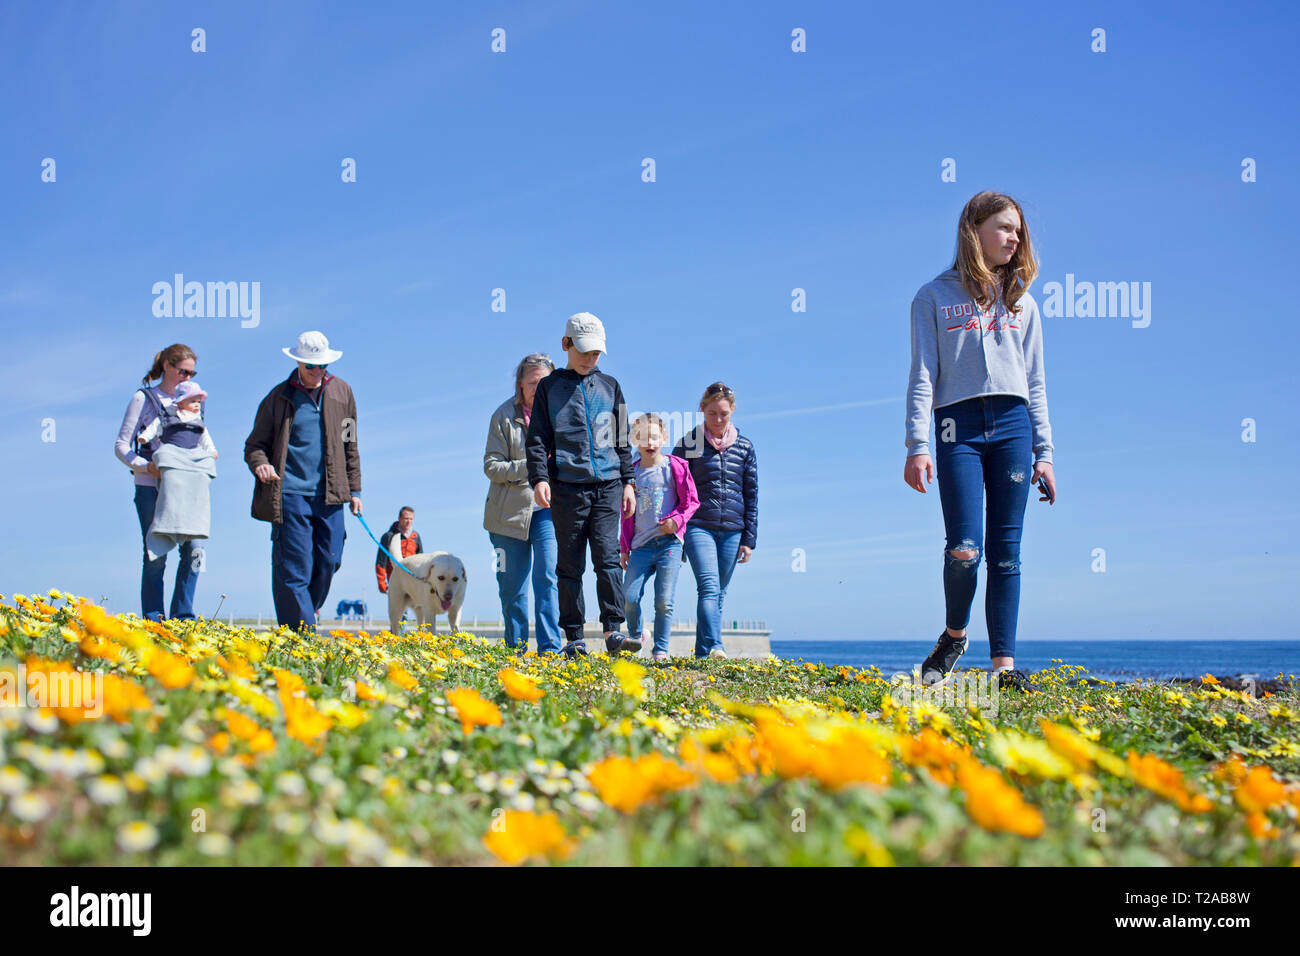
186, 372
719, 390
314, 367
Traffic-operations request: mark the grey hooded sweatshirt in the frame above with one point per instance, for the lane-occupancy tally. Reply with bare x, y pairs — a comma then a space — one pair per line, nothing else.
961, 352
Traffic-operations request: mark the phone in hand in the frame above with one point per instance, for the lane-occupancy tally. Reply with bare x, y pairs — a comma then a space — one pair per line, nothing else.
1042, 486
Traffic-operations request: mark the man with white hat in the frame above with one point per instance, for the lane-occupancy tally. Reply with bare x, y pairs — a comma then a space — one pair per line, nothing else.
303, 452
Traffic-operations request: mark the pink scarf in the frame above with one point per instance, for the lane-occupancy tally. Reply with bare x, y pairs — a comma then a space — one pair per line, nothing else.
528, 415
726, 441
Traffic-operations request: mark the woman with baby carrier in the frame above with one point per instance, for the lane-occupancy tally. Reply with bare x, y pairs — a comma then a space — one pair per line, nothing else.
171, 367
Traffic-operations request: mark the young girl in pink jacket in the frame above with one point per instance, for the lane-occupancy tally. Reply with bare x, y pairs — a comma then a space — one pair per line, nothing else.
651, 537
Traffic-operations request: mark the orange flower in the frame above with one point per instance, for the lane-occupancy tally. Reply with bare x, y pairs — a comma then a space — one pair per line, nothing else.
517, 836
364, 692
473, 710
1259, 791
1167, 781
237, 667
1209, 679
996, 805
121, 696
519, 686
172, 670
401, 678
625, 784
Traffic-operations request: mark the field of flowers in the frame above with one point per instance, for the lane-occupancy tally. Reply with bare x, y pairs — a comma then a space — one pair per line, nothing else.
195, 742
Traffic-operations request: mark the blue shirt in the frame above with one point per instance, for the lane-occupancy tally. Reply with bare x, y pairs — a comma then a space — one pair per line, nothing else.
304, 462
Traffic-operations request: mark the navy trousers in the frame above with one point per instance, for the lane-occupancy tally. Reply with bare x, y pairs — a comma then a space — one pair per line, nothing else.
306, 551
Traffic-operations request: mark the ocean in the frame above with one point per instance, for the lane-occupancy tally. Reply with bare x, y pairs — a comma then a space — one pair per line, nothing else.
1106, 659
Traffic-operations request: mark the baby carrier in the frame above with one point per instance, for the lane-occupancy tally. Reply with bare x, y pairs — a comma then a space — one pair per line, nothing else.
174, 431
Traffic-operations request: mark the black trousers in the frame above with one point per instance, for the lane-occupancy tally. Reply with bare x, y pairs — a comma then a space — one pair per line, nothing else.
582, 514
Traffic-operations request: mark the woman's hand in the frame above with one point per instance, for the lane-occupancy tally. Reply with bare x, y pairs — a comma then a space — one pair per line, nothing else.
742, 555
266, 473
919, 467
668, 526
153, 470
622, 560
1043, 469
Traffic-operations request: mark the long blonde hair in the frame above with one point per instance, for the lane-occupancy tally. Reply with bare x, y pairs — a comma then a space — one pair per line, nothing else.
988, 285
171, 355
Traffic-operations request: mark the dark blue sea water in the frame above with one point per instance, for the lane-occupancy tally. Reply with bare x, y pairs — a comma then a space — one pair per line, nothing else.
1110, 660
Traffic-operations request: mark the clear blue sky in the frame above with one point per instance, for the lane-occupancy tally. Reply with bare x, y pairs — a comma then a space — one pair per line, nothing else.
775, 170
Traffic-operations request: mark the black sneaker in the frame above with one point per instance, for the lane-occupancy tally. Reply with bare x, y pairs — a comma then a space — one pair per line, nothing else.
617, 642
940, 662
574, 649
1013, 678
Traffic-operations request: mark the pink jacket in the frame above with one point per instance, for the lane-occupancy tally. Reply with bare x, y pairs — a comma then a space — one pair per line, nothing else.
687, 502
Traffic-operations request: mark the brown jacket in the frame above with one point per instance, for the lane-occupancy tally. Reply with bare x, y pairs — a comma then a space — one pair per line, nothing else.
268, 443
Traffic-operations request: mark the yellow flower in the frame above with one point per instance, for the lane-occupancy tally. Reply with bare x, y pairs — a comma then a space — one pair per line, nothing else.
871, 850
519, 686
518, 835
629, 676
472, 709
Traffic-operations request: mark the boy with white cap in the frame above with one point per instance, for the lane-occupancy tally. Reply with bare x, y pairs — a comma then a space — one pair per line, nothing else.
303, 452
580, 465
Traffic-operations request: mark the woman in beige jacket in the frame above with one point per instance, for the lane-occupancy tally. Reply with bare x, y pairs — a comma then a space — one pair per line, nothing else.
521, 532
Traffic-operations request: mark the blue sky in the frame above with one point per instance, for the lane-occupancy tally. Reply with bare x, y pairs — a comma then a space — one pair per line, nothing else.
775, 170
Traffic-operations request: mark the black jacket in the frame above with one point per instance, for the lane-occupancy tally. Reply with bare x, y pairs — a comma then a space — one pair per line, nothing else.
727, 483
578, 430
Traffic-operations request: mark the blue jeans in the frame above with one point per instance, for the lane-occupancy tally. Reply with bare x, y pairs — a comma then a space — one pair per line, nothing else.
661, 556
515, 560
985, 465
306, 551
713, 557
151, 573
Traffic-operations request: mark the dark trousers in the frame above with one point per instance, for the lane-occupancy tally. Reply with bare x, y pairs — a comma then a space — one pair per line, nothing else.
306, 550
582, 514
151, 577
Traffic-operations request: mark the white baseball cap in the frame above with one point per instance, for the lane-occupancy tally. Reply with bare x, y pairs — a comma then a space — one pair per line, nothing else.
313, 349
586, 331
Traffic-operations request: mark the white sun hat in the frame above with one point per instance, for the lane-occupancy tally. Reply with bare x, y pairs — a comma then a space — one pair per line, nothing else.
313, 349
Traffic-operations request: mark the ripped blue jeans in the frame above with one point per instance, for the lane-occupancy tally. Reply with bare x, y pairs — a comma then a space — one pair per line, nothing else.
983, 453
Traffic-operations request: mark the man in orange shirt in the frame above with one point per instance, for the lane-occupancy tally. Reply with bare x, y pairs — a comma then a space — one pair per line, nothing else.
401, 532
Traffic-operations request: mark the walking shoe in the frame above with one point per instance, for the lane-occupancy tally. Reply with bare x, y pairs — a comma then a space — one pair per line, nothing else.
617, 642
574, 650
1013, 678
940, 662
661, 656
718, 652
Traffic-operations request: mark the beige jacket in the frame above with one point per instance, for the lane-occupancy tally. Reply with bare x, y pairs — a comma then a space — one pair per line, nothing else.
509, 507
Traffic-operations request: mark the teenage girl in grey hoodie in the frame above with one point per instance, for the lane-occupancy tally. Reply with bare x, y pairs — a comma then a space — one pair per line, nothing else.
977, 364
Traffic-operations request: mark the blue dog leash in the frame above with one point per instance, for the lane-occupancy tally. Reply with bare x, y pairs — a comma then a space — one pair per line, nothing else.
396, 562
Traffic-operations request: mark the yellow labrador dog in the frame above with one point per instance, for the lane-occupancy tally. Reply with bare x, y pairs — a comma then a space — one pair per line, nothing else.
436, 585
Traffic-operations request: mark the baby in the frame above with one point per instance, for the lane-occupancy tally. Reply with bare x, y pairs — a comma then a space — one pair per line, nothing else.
183, 461
184, 426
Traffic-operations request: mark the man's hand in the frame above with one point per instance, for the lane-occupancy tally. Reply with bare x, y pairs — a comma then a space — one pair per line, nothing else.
622, 560
265, 473
542, 494
629, 500
743, 553
918, 467
1043, 469
153, 470
356, 508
